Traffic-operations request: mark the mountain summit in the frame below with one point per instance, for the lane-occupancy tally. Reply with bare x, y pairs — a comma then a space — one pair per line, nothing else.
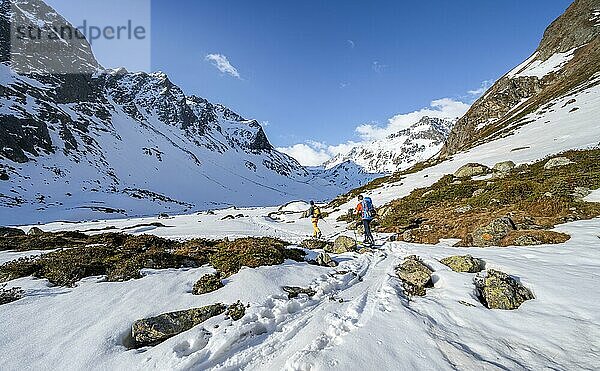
101, 142
568, 56
400, 150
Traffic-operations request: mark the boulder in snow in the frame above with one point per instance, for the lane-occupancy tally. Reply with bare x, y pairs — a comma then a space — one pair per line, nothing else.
294, 292
498, 290
341, 245
151, 331
207, 283
415, 276
324, 260
557, 162
470, 170
464, 263
314, 244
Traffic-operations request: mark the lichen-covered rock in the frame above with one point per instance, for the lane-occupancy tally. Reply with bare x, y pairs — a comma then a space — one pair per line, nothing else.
207, 283
11, 232
415, 276
557, 162
294, 291
324, 260
533, 238
504, 166
491, 234
464, 263
236, 311
341, 245
151, 331
314, 244
470, 170
498, 290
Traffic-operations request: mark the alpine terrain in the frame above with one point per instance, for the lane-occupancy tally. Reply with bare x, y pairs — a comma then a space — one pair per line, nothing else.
485, 254
107, 142
400, 150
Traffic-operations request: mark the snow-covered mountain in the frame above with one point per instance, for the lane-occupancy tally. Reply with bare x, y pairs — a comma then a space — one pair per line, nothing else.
400, 150
567, 59
77, 145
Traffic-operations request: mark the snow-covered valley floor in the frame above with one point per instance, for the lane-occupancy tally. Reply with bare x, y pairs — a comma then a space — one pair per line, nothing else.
359, 318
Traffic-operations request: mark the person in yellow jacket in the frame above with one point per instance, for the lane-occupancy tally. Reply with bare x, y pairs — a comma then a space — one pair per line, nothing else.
315, 214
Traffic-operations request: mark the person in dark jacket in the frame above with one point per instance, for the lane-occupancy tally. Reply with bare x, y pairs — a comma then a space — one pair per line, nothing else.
315, 214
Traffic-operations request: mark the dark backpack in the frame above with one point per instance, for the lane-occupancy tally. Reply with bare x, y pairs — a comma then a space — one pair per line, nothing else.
368, 210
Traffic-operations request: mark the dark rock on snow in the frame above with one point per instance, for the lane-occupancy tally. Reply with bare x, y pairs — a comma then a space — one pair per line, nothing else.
207, 283
415, 276
498, 290
465, 263
294, 292
151, 331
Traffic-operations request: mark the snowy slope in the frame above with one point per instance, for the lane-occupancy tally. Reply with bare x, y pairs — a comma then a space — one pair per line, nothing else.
400, 150
113, 143
374, 325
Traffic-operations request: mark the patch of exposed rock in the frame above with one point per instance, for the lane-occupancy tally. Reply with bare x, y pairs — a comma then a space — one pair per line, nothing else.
294, 291
341, 245
207, 283
471, 170
557, 162
464, 263
324, 260
498, 290
415, 276
491, 234
315, 244
154, 330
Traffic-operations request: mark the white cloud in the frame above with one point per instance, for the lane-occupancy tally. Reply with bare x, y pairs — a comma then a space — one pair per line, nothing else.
378, 66
222, 63
305, 154
440, 108
314, 153
485, 85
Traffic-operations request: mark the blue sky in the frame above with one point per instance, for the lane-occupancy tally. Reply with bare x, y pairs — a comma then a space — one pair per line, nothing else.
315, 71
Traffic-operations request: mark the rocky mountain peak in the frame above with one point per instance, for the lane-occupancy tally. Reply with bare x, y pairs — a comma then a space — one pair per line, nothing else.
43, 55
576, 27
568, 56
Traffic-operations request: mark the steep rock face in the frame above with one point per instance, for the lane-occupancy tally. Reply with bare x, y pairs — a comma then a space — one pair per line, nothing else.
567, 57
400, 150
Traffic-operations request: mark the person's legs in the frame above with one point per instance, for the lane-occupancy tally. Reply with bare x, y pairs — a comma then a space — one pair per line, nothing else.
368, 235
316, 230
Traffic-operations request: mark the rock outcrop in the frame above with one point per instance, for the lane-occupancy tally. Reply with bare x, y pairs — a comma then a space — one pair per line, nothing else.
557, 162
294, 291
315, 244
415, 276
341, 245
491, 234
502, 108
470, 170
464, 263
324, 260
154, 330
498, 290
